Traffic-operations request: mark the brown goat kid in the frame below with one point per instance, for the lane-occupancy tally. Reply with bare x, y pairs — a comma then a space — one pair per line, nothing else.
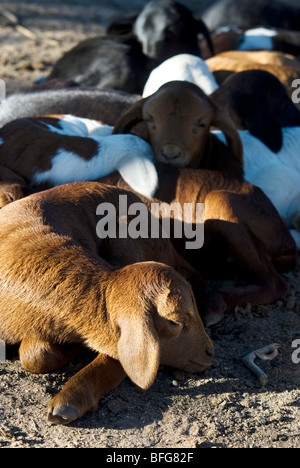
191, 144
240, 223
57, 292
286, 67
257, 101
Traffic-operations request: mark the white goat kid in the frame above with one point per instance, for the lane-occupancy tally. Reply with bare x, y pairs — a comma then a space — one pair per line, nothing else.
183, 67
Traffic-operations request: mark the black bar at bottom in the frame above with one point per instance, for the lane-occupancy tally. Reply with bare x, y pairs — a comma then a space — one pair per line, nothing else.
142, 457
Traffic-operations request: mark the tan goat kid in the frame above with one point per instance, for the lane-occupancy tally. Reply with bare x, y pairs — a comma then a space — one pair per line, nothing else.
57, 293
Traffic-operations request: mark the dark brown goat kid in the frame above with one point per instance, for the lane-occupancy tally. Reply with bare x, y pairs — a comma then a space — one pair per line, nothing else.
240, 223
257, 101
178, 120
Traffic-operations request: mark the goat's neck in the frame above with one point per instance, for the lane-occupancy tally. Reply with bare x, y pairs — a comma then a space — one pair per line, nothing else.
77, 296
218, 157
93, 319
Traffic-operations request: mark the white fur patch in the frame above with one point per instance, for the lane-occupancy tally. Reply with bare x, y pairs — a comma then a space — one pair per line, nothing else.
227, 29
277, 174
258, 39
77, 126
68, 167
128, 154
183, 67
136, 171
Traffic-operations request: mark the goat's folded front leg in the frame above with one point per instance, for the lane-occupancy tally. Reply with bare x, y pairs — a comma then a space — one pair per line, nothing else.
251, 238
265, 286
40, 356
12, 187
84, 390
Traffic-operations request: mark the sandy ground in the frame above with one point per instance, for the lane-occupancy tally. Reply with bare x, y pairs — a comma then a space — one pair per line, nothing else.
225, 406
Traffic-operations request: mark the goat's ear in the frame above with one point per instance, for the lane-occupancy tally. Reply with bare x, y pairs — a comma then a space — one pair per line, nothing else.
264, 125
121, 26
141, 175
223, 122
139, 350
133, 116
202, 29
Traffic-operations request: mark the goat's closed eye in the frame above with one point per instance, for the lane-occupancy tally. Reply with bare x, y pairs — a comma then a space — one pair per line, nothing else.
171, 322
151, 123
172, 329
175, 324
198, 127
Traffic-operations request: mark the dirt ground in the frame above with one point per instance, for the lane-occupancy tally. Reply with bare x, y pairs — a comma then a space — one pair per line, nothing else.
223, 407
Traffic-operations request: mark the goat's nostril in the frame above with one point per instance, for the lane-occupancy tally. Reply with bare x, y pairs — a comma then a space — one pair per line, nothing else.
171, 152
210, 352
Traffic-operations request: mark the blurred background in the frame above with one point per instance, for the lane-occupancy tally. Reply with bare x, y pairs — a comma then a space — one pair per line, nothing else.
35, 33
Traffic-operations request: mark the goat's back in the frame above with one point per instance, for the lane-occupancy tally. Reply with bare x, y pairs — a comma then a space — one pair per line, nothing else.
103, 105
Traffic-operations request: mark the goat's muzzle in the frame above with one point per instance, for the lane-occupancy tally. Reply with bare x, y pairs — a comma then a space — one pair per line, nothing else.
171, 152
195, 366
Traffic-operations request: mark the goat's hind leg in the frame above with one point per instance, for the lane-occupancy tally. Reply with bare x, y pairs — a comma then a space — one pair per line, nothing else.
84, 390
12, 187
40, 356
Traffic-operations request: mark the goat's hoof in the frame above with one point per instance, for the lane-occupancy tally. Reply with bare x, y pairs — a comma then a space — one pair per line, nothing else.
214, 309
62, 414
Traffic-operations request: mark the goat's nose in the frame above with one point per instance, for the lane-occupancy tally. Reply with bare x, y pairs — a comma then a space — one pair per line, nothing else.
171, 152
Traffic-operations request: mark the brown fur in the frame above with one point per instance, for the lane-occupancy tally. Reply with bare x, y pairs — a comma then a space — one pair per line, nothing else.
178, 118
28, 144
285, 67
12, 187
222, 41
285, 41
58, 291
240, 222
